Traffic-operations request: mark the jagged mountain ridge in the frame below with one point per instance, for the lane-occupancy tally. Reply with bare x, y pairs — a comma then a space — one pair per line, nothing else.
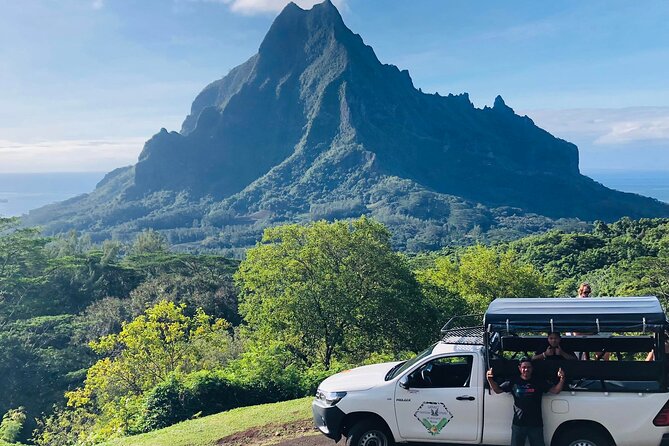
314, 125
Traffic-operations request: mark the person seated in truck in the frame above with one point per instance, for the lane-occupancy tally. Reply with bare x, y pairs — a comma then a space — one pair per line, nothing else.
553, 350
527, 392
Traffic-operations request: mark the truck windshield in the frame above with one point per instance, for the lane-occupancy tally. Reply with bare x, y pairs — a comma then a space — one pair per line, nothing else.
402, 366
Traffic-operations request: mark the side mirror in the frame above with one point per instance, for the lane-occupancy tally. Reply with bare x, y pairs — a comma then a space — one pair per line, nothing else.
404, 382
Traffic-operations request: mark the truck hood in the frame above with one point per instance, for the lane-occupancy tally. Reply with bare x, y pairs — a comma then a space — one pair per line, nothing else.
360, 378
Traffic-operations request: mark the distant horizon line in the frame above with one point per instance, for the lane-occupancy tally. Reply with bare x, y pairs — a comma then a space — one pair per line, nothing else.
582, 171
64, 172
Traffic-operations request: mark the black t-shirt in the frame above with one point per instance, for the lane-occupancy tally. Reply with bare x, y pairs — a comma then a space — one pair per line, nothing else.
553, 357
526, 400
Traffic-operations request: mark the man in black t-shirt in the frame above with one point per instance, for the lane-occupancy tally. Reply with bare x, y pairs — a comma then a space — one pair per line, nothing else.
553, 350
527, 393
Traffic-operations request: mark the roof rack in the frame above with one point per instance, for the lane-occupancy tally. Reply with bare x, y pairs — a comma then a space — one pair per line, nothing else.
463, 335
466, 329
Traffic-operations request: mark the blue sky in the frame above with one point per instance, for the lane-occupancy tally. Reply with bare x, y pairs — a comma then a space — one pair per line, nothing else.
83, 83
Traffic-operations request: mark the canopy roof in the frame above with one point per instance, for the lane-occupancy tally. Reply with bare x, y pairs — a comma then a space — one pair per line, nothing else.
592, 314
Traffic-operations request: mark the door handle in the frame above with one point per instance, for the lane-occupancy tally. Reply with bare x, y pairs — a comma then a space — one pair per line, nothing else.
465, 398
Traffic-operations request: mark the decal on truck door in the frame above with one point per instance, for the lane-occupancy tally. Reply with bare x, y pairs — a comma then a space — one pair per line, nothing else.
434, 416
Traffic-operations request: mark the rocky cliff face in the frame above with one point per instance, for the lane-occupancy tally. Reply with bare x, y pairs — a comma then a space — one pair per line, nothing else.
315, 126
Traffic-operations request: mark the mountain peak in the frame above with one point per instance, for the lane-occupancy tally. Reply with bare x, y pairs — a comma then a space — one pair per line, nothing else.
298, 33
293, 19
327, 5
501, 106
499, 102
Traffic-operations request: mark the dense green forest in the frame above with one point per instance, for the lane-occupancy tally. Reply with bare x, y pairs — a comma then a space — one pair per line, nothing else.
107, 340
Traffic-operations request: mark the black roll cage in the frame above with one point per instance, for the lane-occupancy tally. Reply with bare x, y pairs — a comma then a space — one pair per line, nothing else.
627, 327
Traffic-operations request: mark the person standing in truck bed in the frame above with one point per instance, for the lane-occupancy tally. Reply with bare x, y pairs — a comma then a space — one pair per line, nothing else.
584, 291
527, 393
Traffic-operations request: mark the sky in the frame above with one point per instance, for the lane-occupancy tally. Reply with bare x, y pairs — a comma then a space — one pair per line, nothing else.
84, 83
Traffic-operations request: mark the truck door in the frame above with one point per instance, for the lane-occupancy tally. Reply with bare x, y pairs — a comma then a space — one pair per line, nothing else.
440, 400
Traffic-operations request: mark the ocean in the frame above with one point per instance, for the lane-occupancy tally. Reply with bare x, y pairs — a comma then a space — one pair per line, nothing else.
20, 192
649, 183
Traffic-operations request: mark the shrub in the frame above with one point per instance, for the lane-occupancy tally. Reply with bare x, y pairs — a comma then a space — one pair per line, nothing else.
12, 424
66, 427
210, 392
181, 397
164, 405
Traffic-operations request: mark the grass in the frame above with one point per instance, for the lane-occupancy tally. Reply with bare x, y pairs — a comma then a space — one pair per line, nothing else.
207, 430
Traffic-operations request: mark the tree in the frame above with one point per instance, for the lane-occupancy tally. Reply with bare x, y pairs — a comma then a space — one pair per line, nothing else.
439, 283
38, 362
67, 427
71, 244
480, 275
22, 267
12, 424
332, 290
76, 281
146, 351
149, 241
645, 276
215, 294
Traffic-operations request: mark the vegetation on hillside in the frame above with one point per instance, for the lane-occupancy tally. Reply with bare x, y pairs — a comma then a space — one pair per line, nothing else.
132, 338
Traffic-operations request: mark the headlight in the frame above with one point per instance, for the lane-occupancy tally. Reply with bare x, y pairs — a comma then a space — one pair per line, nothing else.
329, 398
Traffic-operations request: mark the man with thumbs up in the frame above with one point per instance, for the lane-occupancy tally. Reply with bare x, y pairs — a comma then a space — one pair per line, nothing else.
527, 393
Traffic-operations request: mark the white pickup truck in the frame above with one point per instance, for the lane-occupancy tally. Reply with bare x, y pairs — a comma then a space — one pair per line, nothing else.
442, 396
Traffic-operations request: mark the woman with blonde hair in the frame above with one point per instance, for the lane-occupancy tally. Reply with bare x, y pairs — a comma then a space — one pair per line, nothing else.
584, 290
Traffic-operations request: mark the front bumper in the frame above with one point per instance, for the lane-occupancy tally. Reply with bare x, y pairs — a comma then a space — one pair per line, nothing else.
328, 419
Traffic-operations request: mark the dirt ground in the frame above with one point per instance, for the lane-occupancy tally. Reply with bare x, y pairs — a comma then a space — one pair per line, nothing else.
311, 440
300, 433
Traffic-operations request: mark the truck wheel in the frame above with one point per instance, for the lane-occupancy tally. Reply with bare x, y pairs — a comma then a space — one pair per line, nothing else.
584, 437
369, 433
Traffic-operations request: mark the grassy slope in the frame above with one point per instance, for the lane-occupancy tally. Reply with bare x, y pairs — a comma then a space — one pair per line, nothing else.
207, 430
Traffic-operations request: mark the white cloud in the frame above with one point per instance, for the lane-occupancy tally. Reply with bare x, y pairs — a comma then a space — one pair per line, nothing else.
624, 132
99, 155
625, 139
606, 126
250, 7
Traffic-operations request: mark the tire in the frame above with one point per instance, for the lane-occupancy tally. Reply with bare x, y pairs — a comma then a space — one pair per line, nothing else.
584, 437
369, 433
